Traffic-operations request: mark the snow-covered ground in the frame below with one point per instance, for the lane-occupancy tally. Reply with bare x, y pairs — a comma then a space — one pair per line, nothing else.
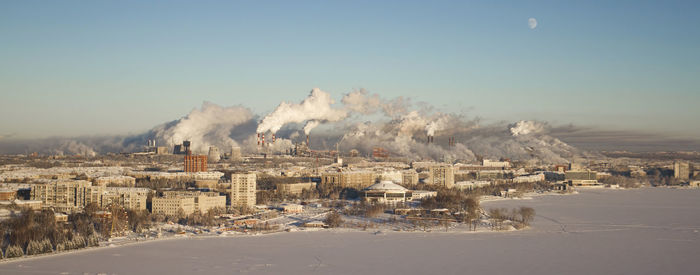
599, 231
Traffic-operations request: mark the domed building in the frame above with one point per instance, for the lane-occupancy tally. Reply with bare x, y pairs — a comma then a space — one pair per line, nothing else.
385, 192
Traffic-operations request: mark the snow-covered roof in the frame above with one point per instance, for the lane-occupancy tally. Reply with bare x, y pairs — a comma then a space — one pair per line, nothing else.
386, 185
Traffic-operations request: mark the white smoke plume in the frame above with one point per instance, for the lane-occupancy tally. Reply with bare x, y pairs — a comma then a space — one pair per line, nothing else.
392, 124
212, 125
316, 107
526, 127
438, 124
73, 147
362, 102
310, 125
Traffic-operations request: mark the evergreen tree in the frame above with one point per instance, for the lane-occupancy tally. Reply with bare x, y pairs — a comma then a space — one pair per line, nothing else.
14, 251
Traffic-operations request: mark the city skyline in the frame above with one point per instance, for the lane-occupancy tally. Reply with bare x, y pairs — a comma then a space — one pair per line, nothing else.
76, 69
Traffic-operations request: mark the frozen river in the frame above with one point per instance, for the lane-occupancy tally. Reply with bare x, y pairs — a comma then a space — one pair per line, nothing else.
644, 231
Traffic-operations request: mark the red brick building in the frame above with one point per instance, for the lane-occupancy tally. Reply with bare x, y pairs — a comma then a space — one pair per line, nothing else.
194, 163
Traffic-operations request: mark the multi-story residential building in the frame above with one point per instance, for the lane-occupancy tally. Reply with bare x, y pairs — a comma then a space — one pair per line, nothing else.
209, 200
681, 170
121, 181
171, 206
202, 202
351, 179
129, 198
441, 175
409, 177
242, 192
64, 195
72, 195
295, 188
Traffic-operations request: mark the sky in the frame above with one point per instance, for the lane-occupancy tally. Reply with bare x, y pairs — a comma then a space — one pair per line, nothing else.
70, 68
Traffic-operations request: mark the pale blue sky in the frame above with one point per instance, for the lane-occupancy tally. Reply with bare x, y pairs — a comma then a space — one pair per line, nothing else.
116, 67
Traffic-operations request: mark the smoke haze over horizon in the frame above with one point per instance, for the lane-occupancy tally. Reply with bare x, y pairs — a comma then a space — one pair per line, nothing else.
362, 120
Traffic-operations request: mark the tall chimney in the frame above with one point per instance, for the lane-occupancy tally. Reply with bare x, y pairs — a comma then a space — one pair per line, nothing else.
307, 140
263, 139
258, 139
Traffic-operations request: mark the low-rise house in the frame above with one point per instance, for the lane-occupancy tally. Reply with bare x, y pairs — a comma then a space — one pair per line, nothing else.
471, 185
292, 208
417, 195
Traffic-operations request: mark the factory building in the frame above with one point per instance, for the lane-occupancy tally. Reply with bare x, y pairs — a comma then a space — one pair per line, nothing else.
379, 152
235, 154
195, 163
242, 191
213, 155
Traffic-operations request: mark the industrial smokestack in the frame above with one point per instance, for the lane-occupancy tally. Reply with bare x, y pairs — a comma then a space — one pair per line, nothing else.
187, 144
263, 139
307, 140
258, 139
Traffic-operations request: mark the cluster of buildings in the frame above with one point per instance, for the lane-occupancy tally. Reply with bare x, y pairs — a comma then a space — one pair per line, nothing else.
72, 195
70, 189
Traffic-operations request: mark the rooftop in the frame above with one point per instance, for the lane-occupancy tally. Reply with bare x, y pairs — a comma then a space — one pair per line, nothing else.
386, 185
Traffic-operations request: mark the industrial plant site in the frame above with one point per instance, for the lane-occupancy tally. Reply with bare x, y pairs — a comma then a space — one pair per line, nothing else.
349, 137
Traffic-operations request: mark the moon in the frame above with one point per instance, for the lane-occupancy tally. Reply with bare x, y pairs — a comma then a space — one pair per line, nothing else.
532, 23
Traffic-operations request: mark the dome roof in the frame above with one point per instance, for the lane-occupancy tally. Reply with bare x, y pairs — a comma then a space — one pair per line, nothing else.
386, 186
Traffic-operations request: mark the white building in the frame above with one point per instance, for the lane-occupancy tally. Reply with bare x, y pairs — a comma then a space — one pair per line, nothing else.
495, 164
471, 185
385, 192
529, 178
441, 175
242, 191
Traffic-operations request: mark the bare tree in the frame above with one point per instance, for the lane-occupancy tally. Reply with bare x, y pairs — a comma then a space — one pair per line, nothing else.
527, 215
333, 219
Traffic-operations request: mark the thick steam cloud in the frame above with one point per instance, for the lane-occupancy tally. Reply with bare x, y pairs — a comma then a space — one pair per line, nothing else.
361, 121
314, 110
